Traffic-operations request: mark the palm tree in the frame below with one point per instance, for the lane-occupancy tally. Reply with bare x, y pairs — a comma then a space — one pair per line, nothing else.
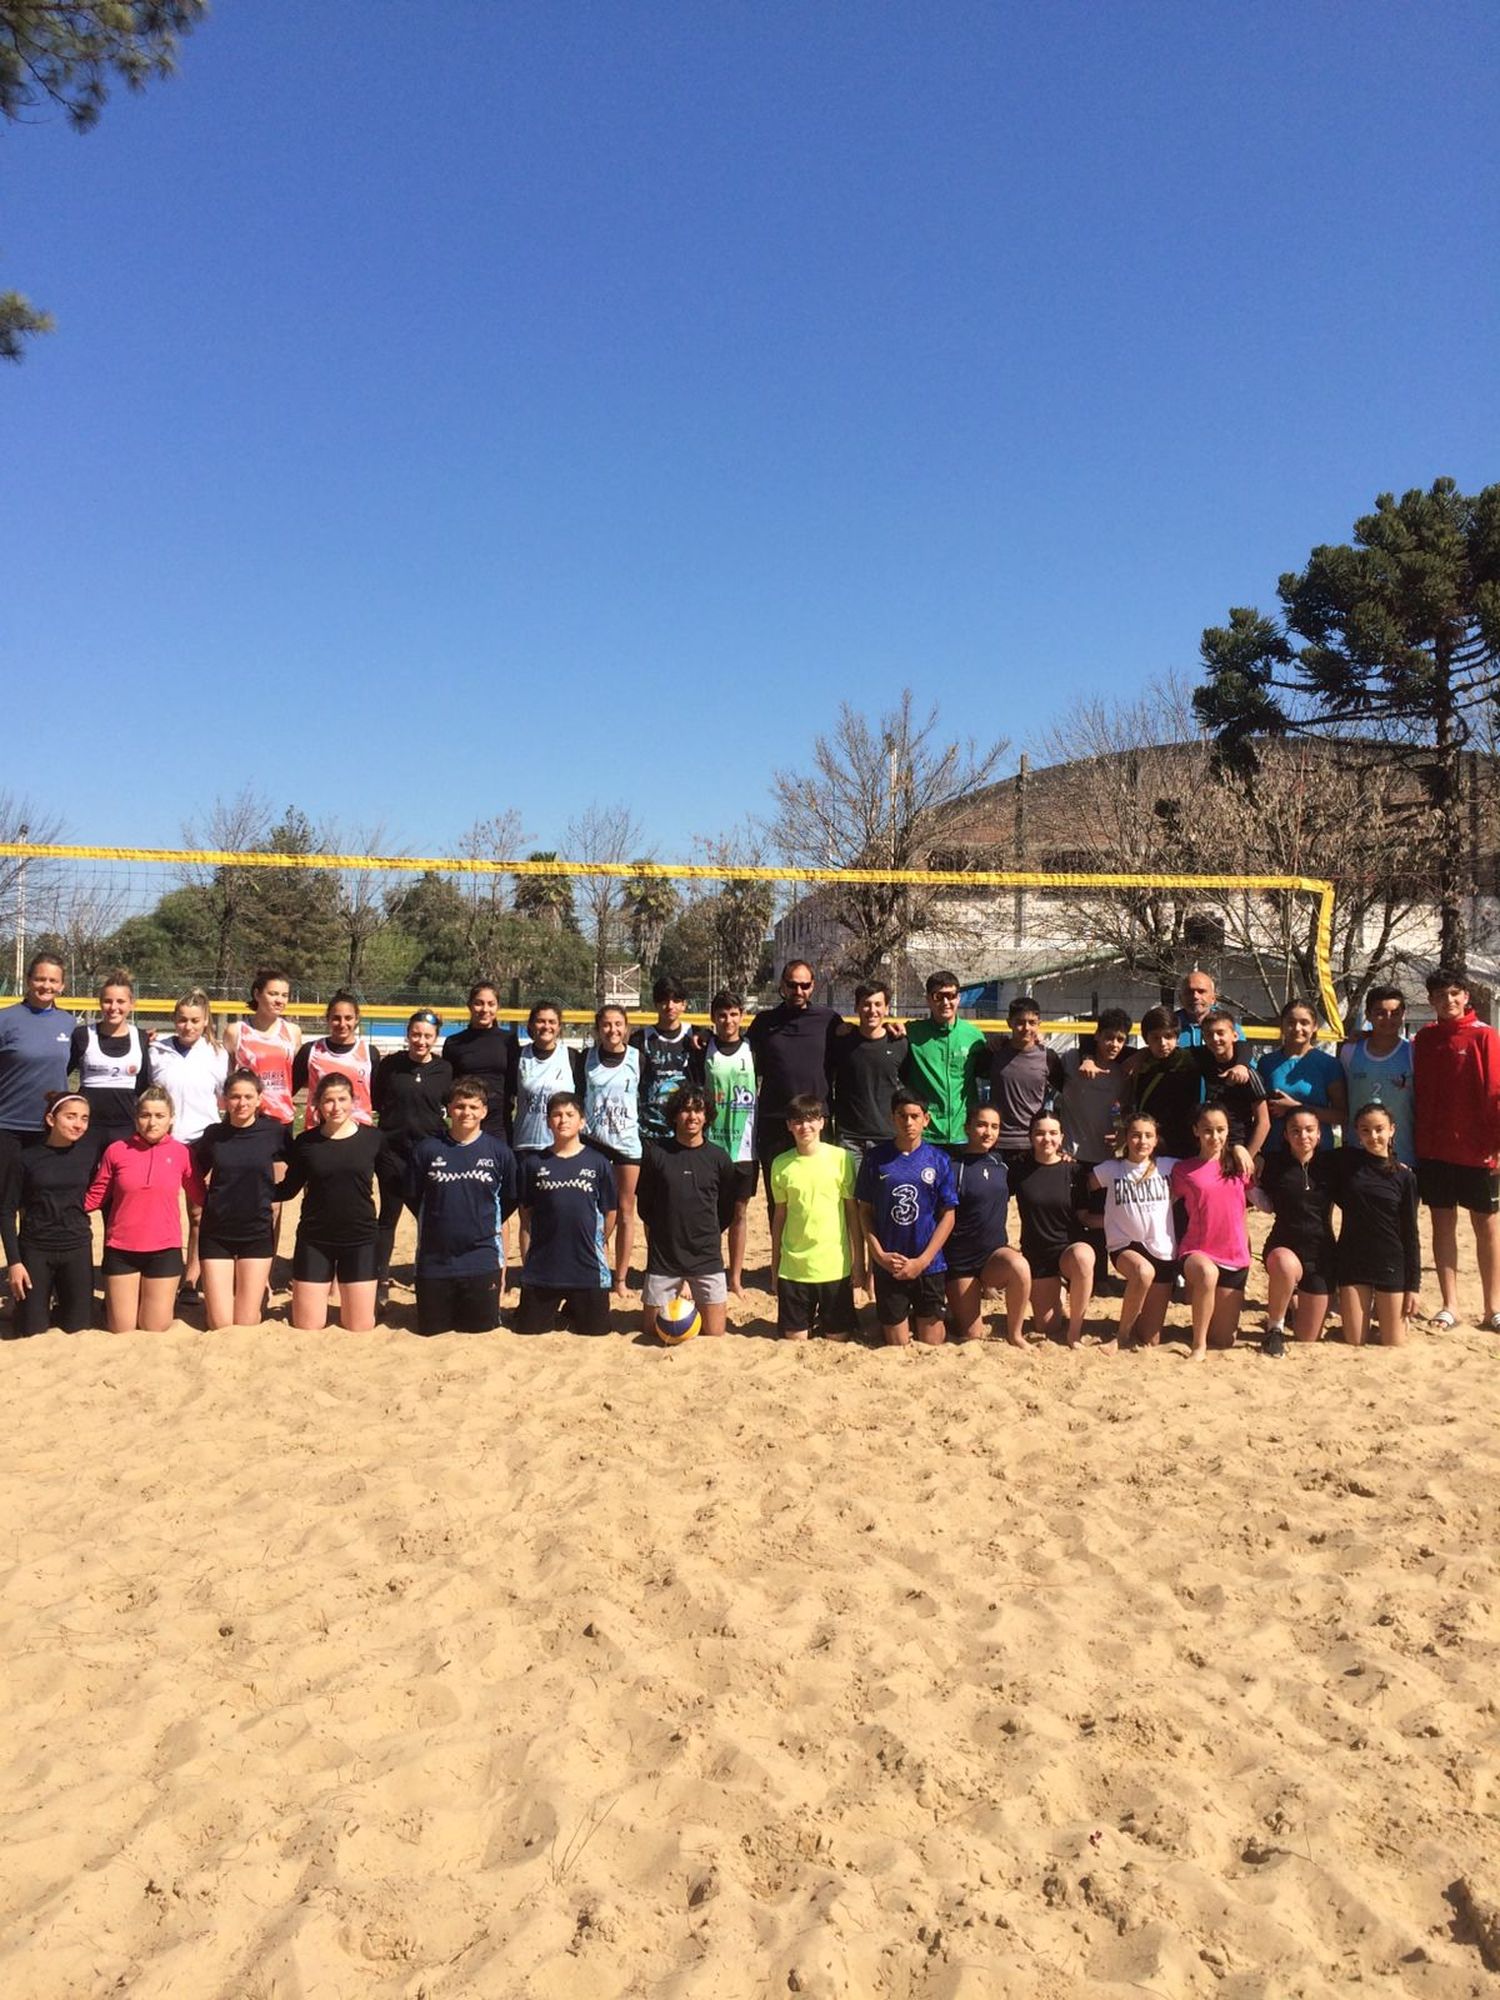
650, 904
547, 898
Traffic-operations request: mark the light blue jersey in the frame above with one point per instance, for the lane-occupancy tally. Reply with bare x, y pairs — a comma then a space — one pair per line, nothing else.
1383, 1080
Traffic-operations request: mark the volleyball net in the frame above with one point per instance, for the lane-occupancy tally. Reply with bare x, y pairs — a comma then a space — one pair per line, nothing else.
409, 930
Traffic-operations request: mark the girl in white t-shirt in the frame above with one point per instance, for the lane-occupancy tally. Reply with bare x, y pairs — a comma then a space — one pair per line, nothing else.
192, 1069
1138, 1230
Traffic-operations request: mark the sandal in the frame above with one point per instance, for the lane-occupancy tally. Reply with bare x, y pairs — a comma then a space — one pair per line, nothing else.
1490, 1325
1443, 1321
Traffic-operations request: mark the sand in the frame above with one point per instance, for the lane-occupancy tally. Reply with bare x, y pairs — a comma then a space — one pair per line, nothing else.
344, 1665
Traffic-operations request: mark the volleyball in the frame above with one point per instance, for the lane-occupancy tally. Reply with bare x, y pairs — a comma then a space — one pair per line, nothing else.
678, 1320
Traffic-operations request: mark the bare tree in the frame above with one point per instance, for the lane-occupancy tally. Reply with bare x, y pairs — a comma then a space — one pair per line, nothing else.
366, 901
226, 894
602, 833
25, 883
887, 795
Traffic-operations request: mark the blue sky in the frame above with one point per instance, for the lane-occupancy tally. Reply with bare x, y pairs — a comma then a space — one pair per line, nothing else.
467, 406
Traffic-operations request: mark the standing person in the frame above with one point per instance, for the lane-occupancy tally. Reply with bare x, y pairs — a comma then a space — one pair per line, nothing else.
267, 1042
817, 1246
1456, 1084
793, 1046
1300, 1075
1139, 1230
1378, 1262
1166, 1081
688, 1191
666, 1051
867, 1069
242, 1161
340, 1051
140, 1182
1025, 1077
1214, 1243
1095, 1077
1378, 1067
191, 1067
568, 1213
50, 1253
462, 1184
336, 1162
947, 1063
1228, 1080
113, 1062
1050, 1194
977, 1255
36, 1040
725, 1068
907, 1204
1197, 997
539, 1068
407, 1096
612, 1120
483, 1049
1295, 1184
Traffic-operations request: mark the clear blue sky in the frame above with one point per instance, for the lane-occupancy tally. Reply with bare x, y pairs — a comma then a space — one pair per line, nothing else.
577, 401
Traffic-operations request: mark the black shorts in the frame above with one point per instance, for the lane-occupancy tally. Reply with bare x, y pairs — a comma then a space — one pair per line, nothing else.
1442, 1184
217, 1249
322, 1263
142, 1263
1167, 1269
543, 1308
1232, 1276
826, 1307
898, 1299
1048, 1263
746, 1174
458, 1305
1316, 1260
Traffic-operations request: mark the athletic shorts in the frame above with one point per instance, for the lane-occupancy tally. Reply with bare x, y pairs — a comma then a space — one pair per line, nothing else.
543, 1308
458, 1305
746, 1174
967, 1270
216, 1249
898, 1299
1314, 1281
1442, 1184
826, 1306
322, 1263
709, 1288
142, 1263
1167, 1269
611, 1153
1232, 1276
1048, 1264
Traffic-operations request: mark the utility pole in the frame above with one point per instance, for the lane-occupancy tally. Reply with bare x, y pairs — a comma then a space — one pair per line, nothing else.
1022, 776
22, 833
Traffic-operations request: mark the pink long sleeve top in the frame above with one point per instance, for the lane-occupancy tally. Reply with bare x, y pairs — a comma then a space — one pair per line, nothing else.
140, 1187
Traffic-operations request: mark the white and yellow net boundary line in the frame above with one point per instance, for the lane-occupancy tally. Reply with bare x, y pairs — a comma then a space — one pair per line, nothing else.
692, 871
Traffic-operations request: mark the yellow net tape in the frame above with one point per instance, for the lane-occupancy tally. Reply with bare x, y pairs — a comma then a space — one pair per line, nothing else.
975, 878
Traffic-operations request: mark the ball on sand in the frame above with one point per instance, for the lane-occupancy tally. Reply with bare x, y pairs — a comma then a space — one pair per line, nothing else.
678, 1320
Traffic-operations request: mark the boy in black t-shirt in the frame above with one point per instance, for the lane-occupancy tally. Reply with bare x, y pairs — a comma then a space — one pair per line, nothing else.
568, 1200
1232, 1082
461, 1188
687, 1201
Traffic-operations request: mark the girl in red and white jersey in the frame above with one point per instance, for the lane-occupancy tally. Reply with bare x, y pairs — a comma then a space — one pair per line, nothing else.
266, 1042
140, 1183
342, 1051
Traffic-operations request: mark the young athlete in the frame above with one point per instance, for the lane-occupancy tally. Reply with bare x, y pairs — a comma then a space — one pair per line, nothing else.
1166, 1081
568, 1200
1294, 1183
340, 1051
1139, 1231
726, 1070
867, 1067
191, 1067
947, 1062
540, 1067
242, 1162
907, 1204
666, 1052
1213, 1243
817, 1247
113, 1061
461, 1186
407, 1096
50, 1254
1456, 1075
1095, 1077
1229, 1080
334, 1166
976, 1254
1378, 1067
1299, 1073
1025, 1077
267, 1042
1378, 1263
140, 1182
689, 1188
36, 1039
483, 1049
612, 1119
1050, 1192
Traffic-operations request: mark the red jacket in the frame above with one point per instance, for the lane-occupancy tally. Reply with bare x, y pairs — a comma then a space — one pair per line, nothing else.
143, 1186
1456, 1085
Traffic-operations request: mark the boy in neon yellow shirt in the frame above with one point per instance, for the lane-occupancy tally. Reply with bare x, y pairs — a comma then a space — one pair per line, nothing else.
817, 1251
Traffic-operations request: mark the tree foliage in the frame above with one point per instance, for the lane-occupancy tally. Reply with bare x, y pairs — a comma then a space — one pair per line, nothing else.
1394, 638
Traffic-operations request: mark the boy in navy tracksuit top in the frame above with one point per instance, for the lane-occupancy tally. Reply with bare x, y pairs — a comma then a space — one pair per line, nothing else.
907, 1203
462, 1188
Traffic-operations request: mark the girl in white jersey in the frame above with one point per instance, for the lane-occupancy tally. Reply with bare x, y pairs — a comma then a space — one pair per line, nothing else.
539, 1069
612, 1121
192, 1069
342, 1051
113, 1061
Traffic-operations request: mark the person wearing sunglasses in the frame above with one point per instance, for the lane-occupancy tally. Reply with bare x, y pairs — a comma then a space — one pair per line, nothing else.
792, 1046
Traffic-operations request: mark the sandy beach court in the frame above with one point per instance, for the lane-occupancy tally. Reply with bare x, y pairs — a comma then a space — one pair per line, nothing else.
365, 1666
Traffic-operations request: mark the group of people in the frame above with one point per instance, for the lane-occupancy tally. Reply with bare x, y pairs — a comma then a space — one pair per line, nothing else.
890, 1154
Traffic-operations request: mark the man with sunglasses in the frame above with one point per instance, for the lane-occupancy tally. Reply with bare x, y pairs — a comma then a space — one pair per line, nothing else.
792, 1045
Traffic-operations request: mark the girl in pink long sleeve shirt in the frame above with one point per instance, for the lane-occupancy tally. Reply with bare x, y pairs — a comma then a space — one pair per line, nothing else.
140, 1183
1214, 1246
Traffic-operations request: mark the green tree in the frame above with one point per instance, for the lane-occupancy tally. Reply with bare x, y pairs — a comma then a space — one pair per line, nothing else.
58, 55
548, 898
1393, 638
293, 916
651, 902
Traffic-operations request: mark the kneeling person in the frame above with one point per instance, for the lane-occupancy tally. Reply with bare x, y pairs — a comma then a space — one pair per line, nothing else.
687, 1201
907, 1202
461, 1188
568, 1205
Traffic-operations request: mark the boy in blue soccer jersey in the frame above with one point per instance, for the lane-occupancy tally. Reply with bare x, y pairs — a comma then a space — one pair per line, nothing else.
907, 1202
461, 1189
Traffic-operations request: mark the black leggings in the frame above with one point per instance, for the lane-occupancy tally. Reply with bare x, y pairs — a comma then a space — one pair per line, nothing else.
66, 1274
392, 1201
